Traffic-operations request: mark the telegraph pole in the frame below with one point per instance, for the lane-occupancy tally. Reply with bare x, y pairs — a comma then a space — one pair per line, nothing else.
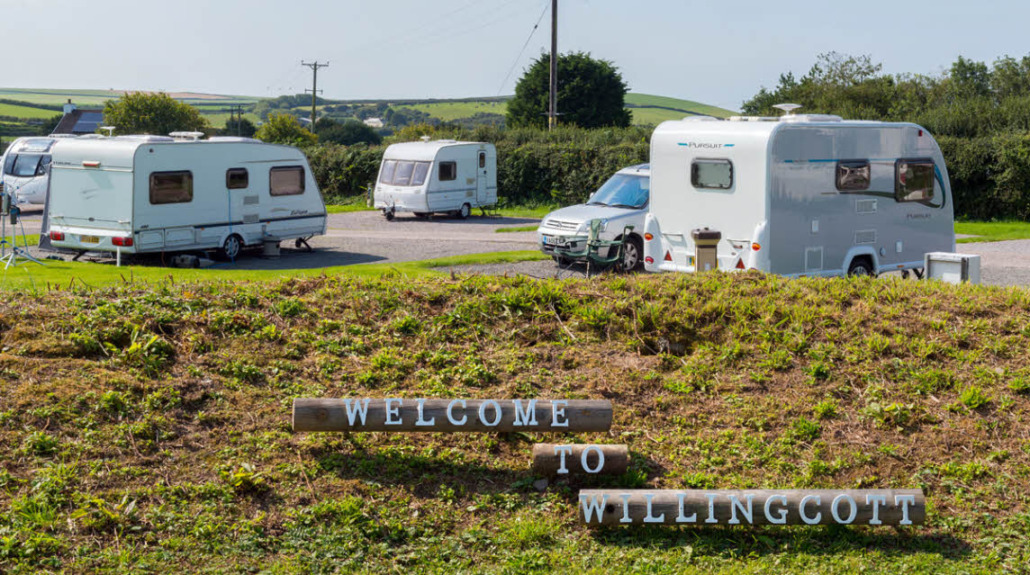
314, 87
234, 111
552, 110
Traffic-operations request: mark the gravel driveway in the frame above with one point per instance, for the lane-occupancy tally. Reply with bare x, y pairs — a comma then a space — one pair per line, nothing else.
366, 237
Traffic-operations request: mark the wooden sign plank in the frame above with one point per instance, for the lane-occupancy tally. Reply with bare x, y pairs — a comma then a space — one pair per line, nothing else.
451, 415
753, 507
551, 460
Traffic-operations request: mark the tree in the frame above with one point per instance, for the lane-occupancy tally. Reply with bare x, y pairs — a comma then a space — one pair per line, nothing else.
157, 113
348, 133
239, 127
591, 93
285, 129
48, 126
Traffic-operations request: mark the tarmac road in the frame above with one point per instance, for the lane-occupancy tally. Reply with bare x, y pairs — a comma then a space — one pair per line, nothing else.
366, 237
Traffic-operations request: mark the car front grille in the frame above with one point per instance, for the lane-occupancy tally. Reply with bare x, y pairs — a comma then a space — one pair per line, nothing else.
561, 225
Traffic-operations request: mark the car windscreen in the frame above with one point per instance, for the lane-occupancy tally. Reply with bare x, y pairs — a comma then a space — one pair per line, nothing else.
623, 191
404, 173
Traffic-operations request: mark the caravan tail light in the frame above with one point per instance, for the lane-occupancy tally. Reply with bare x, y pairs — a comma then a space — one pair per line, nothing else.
740, 265
57, 236
91, 163
648, 237
756, 246
122, 242
668, 256
649, 260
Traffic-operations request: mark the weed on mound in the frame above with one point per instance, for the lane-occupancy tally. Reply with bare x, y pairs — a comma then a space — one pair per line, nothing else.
148, 428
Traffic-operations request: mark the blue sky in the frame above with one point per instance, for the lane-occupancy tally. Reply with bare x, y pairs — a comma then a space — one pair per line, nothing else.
714, 52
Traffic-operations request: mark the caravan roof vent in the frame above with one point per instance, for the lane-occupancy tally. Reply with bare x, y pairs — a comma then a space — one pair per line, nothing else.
803, 118
788, 109
187, 136
700, 119
426, 139
752, 119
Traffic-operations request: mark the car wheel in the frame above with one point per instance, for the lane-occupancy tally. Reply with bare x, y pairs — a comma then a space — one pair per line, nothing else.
632, 258
861, 266
421, 215
231, 248
464, 211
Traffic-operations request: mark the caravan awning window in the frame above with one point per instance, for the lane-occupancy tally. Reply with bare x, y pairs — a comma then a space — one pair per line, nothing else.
171, 187
26, 165
404, 173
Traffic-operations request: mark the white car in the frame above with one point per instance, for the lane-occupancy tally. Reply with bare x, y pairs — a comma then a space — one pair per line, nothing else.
619, 202
26, 169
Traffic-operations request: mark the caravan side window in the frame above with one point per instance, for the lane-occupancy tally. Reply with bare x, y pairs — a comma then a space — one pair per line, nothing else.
171, 187
853, 175
913, 180
237, 179
448, 171
711, 174
286, 181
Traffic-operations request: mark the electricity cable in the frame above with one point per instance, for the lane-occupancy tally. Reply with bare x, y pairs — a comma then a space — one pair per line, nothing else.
523, 50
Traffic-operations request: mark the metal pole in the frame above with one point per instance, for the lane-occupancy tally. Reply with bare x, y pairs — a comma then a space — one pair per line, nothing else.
314, 88
552, 110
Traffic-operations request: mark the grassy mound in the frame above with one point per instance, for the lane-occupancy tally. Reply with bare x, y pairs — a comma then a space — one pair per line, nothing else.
147, 429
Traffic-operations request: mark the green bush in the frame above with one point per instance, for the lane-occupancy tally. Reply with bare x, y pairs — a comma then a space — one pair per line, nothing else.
533, 166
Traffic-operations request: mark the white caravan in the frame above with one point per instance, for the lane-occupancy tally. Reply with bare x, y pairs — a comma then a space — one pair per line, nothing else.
26, 169
137, 194
802, 195
437, 176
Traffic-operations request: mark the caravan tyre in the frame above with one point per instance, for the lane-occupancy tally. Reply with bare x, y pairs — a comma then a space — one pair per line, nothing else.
861, 266
388, 214
231, 247
464, 211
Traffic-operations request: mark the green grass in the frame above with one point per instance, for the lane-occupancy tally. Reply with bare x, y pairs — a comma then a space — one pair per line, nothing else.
450, 111
146, 426
347, 208
992, 231
532, 228
27, 113
54, 274
686, 106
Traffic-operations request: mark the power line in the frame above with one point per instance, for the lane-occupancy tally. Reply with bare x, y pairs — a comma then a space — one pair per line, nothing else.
523, 50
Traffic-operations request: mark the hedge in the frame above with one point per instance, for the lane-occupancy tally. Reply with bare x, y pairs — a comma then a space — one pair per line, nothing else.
990, 175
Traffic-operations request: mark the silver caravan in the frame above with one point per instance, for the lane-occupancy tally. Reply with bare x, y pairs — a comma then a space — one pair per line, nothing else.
801, 195
137, 194
443, 176
26, 169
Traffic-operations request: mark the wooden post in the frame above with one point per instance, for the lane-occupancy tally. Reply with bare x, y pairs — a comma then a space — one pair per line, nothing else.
752, 507
550, 460
451, 415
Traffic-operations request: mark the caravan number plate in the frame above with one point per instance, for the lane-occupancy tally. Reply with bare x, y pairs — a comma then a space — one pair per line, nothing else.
89, 239
554, 240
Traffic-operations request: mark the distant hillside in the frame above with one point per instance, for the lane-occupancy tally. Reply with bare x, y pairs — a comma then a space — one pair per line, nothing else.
23, 108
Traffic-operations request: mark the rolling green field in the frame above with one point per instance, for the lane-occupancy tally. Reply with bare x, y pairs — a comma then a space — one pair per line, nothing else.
25, 112
647, 101
146, 425
450, 111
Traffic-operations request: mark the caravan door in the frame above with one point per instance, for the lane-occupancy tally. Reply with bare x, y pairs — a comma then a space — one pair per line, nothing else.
481, 180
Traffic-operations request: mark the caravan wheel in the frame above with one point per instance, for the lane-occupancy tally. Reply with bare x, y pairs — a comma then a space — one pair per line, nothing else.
861, 266
464, 212
231, 248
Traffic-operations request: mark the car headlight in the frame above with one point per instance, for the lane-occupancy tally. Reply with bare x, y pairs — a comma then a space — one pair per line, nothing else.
604, 225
